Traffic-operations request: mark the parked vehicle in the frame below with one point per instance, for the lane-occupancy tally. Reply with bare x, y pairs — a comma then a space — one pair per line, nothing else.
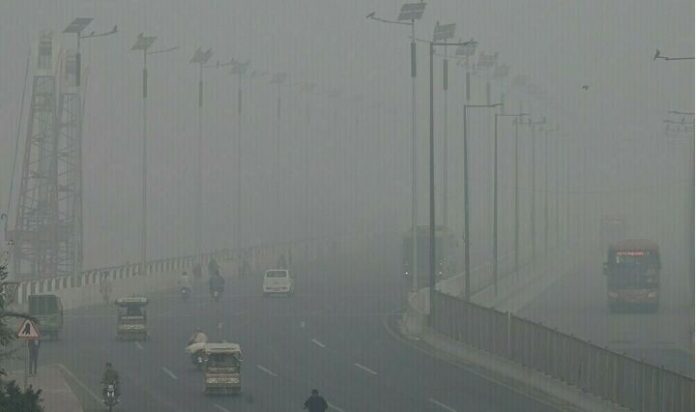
48, 310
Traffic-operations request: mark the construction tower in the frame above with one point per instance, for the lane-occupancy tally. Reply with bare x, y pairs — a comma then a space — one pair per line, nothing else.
48, 227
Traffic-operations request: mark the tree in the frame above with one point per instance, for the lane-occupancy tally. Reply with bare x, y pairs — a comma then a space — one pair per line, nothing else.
12, 397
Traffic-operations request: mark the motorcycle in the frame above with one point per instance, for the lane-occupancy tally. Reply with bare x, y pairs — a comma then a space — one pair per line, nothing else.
185, 293
110, 398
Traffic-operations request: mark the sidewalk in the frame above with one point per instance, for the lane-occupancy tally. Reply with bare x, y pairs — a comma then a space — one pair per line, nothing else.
56, 394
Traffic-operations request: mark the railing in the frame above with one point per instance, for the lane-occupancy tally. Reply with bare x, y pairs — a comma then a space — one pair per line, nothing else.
259, 255
612, 376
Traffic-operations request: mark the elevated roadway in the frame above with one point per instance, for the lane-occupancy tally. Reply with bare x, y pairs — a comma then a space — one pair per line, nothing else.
331, 336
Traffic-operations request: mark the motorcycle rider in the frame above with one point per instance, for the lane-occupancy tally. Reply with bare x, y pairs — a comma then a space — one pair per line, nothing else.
316, 403
217, 283
195, 344
198, 337
185, 281
111, 378
213, 267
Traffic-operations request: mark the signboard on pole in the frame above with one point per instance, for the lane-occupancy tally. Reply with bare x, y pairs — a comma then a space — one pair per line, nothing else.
28, 330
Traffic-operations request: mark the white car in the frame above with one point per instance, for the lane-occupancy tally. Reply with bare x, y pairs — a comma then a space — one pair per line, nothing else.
278, 281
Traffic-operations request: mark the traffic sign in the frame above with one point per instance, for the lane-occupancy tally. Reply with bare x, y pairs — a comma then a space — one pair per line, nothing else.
28, 330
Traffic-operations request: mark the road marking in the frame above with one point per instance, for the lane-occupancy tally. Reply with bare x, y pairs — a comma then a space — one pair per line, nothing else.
170, 373
138, 345
334, 407
365, 368
82, 385
316, 342
442, 405
268, 371
221, 408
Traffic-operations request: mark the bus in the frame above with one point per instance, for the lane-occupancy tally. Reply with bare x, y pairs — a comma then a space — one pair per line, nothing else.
633, 275
445, 254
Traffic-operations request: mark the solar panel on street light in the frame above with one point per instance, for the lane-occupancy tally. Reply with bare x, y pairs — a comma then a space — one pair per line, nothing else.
143, 42
444, 31
411, 11
78, 25
467, 50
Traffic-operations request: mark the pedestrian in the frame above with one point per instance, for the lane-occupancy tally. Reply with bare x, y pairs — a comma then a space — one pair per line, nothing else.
34, 345
316, 403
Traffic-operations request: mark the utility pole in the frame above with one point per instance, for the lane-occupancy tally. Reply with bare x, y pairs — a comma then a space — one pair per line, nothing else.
143, 43
409, 13
466, 238
444, 32
200, 58
432, 262
495, 195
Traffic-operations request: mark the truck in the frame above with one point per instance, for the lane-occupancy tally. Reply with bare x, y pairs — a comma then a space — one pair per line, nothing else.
48, 311
632, 270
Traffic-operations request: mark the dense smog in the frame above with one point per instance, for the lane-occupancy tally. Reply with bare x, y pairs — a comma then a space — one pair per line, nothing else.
361, 205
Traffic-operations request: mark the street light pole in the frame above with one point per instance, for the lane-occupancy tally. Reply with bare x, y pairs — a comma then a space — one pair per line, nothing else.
495, 195
239, 69
467, 243
409, 13
431, 282
143, 43
200, 58
444, 32
532, 126
517, 198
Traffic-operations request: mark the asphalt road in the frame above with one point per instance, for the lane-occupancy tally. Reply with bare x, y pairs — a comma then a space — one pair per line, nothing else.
577, 304
331, 336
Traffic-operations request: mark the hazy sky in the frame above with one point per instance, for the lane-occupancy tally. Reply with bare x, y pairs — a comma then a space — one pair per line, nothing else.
355, 168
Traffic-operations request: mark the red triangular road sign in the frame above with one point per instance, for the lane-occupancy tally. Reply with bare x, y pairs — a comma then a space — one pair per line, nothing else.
27, 330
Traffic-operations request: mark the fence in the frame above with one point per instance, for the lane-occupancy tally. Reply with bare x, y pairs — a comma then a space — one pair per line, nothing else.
612, 376
83, 286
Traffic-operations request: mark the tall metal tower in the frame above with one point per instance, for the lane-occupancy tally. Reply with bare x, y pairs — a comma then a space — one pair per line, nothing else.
48, 226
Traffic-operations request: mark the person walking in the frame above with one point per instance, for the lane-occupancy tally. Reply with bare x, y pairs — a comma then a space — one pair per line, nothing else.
34, 345
316, 403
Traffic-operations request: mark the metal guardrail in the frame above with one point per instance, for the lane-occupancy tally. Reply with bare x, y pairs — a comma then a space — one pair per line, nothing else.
609, 375
306, 249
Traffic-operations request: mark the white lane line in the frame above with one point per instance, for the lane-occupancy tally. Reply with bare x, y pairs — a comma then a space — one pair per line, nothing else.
82, 385
221, 408
170, 373
365, 368
442, 405
138, 345
334, 407
268, 371
316, 342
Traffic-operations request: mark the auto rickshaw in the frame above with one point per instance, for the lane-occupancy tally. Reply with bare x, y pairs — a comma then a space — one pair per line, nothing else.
48, 310
132, 318
223, 369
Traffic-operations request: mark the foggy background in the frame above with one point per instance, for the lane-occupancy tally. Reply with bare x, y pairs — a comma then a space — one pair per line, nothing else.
338, 159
